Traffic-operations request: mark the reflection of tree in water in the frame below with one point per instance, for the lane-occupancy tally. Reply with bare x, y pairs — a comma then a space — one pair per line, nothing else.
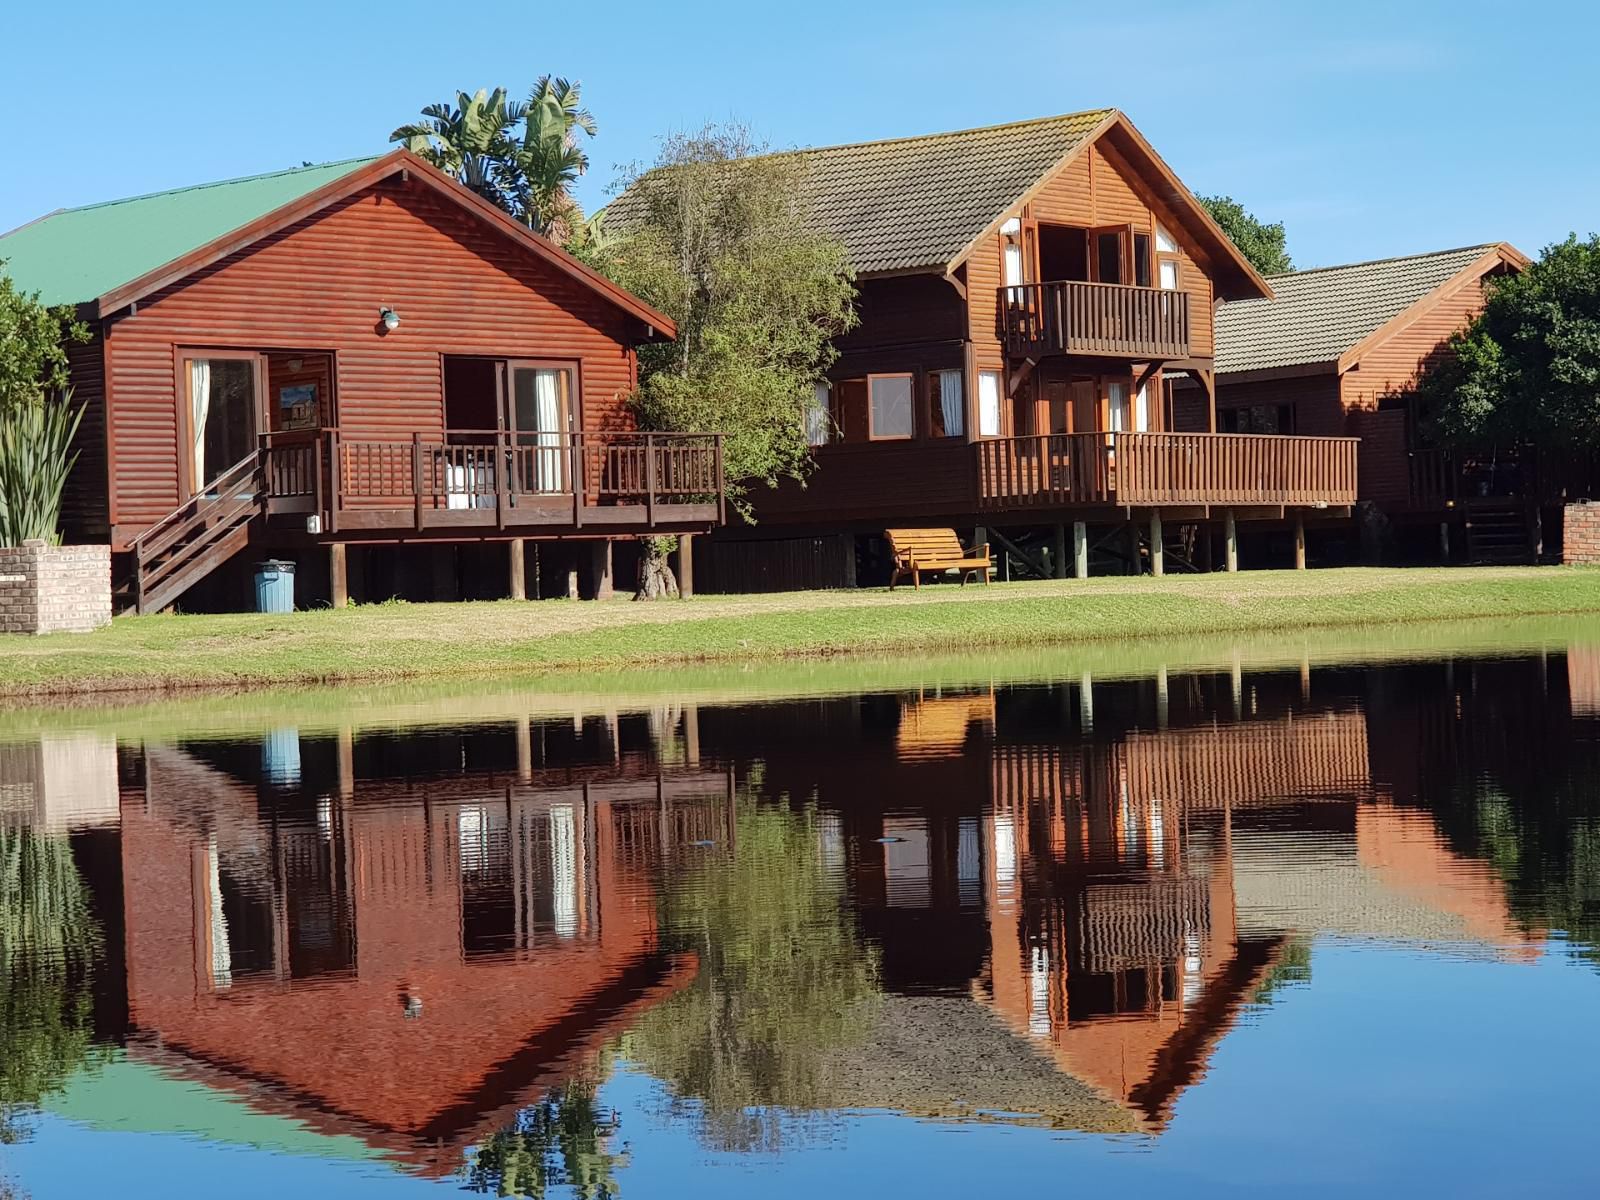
563, 1141
784, 982
1293, 966
48, 942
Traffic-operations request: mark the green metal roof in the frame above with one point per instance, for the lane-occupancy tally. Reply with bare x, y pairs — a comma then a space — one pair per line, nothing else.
79, 254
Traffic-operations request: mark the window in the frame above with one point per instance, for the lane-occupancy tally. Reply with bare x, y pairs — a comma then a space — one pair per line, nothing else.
1141, 410
1120, 420
1257, 418
1108, 257
946, 404
223, 410
889, 412
1013, 263
1166, 260
817, 419
1141, 259
989, 403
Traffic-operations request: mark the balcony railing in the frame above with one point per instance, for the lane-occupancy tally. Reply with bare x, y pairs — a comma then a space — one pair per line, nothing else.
1104, 319
491, 477
1063, 470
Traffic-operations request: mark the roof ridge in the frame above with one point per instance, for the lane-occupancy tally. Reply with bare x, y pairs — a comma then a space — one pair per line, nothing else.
198, 187
1483, 247
1101, 113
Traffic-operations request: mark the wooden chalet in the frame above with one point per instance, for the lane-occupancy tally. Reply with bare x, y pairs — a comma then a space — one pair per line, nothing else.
1335, 351
1028, 295
360, 354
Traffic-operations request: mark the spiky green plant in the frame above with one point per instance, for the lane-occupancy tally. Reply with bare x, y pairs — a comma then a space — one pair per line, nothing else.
36, 456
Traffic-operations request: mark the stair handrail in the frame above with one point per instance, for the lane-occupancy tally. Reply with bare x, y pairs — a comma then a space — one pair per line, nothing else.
172, 525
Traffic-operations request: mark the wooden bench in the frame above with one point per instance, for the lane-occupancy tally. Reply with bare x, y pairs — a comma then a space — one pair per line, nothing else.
919, 550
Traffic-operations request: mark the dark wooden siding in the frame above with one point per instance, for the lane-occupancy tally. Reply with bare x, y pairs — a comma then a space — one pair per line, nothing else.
1318, 409
873, 480
459, 286
84, 511
774, 564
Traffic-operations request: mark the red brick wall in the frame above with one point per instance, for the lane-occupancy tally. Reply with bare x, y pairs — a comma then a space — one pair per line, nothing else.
1580, 534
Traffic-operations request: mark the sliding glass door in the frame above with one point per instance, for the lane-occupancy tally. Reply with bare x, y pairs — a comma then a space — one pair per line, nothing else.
223, 414
542, 420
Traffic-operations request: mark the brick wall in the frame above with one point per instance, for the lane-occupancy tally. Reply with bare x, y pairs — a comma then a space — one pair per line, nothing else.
1580, 534
54, 589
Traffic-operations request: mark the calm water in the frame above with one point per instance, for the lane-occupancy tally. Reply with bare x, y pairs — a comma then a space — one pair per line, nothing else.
1329, 929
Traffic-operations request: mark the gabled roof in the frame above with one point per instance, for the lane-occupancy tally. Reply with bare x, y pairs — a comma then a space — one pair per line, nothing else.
1318, 318
115, 253
922, 203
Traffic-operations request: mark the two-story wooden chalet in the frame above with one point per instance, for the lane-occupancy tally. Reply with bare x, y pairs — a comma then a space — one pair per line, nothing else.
362, 354
1336, 350
1028, 293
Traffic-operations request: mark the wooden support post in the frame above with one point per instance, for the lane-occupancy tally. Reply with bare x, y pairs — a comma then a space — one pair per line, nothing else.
1299, 543
1230, 541
524, 750
847, 551
1080, 549
346, 765
1163, 696
1058, 552
601, 586
685, 565
338, 580
572, 583
1086, 703
1158, 545
517, 564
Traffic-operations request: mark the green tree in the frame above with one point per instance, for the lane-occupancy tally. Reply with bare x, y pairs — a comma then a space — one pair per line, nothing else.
49, 940
540, 171
715, 235
784, 982
562, 1141
1262, 244
1526, 371
471, 140
37, 418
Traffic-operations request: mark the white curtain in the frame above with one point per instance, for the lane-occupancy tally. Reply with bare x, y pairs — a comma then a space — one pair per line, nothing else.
564, 869
989, 403
1117, 393
200, 408
817, 417
1141, 413
547, 402
221, 952
951, 403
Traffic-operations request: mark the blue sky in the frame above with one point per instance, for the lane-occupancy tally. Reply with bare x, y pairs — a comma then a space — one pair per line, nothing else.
1371, 129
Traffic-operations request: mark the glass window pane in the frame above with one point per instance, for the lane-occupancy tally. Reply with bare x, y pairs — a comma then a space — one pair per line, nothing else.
1141, 259
949, 404
891, 406
1013, 265
1108, 257
222, 397
1164, 242
1169, 273
817, 417
1117, 394
989, 403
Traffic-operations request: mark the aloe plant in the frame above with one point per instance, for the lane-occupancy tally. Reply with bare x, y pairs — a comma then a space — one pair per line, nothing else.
36, 457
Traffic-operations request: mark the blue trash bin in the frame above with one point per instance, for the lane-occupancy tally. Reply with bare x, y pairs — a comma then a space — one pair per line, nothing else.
274, 586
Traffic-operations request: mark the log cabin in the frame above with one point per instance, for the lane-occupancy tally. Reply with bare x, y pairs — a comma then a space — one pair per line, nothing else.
1027, 294
360, 355
1336, 351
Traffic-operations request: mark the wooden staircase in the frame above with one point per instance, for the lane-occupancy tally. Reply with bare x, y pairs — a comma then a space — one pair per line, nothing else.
194, 539
1501, 531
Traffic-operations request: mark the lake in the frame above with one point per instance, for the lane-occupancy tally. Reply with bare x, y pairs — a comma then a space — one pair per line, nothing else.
1317, 915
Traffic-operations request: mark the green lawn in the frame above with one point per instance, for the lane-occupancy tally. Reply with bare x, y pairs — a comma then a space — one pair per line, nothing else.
397, 641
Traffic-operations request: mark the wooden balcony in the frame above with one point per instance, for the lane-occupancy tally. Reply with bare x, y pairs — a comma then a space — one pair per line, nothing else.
1147, 469
479, 480
1109, 320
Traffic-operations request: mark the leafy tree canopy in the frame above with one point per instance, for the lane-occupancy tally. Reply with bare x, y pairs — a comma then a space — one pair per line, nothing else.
523, 157
33, 342
1526, 371
715, 236
1264, 245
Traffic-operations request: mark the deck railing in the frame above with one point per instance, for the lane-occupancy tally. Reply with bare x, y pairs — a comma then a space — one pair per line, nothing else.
1058, 470
468, 470
1113, 319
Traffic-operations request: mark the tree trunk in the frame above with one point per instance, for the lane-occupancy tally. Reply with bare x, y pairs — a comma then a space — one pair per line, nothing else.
656, 580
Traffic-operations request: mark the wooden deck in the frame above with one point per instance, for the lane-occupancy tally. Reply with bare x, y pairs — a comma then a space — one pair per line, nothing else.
1094, 319
477, 480
1086, 472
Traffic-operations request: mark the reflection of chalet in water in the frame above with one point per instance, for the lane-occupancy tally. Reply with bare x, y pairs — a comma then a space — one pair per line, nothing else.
400, 938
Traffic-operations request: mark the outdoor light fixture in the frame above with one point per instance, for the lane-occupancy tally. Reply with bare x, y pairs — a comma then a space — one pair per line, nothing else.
390, 318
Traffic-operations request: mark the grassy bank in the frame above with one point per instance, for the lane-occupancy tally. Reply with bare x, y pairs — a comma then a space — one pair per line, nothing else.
401, 641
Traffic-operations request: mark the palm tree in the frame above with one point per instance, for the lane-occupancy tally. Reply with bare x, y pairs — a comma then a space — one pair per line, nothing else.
471, 140
549, 159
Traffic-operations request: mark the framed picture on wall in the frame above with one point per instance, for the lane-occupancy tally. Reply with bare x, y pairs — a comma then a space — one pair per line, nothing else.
297, 406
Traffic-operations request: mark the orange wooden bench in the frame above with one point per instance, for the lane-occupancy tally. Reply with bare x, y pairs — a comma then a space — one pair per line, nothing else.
919, 550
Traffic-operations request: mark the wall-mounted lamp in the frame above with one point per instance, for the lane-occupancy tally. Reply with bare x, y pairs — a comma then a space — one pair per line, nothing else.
390, 318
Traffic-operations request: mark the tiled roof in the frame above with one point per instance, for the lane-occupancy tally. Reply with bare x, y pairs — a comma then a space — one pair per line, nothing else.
916, 203
1315, 316
79, 254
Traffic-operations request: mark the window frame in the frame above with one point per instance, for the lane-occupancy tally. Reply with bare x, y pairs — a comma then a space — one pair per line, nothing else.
935, 403
911, 407
999, 401
184, 446
1163, 257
